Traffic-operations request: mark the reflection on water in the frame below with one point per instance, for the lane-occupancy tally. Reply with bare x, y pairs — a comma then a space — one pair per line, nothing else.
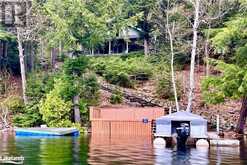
46, 151
120, 150
114, 150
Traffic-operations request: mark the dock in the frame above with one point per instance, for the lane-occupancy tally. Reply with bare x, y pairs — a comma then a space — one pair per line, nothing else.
46, 131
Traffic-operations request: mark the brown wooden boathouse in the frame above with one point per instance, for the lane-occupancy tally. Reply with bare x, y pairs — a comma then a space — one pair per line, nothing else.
123, 120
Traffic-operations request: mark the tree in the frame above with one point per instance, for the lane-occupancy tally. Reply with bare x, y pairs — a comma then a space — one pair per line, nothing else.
231, 83
201, 14
8, 57
88, 23
74, 69
171, 31
230, 40
25, 31
22, 65
196, 5
145, 24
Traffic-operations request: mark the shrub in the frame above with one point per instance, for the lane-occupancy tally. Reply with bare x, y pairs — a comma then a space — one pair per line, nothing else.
76, 66
99, 67
116, 97
84, 111
120, 71
119, 78
4, 82
90, 90
14, 104
29, 116
38, 84
55, 111
164, 89
65, 87
139, 65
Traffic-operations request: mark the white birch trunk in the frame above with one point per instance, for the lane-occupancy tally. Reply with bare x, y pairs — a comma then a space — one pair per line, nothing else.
206, 52
127, 47
172, 59
22, 65
92, 51
109, 48
146, 47
193, 55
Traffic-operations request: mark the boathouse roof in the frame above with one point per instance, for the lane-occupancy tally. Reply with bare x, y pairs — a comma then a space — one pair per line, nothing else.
181, 116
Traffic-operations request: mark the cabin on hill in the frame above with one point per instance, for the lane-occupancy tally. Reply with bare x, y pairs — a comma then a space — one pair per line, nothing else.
126, 41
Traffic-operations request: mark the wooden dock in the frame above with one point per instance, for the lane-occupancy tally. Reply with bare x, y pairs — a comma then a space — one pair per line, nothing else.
46, 132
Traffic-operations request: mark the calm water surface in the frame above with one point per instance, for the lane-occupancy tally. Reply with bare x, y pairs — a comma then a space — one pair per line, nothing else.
113, 151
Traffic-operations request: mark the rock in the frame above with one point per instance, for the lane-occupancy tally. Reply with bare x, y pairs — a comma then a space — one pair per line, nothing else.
202, 143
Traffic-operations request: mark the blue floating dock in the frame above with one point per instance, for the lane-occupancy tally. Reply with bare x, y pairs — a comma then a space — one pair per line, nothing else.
46, 132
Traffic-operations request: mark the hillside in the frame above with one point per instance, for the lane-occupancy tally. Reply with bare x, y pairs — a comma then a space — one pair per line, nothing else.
228, 111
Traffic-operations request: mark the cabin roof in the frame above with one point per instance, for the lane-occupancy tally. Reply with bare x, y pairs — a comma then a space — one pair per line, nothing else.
130, 33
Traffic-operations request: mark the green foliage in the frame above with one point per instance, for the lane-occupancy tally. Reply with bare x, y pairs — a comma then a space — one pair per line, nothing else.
241, 56
56, 92
163, 82
14, 104
118, 78
231, 39
116, 97
65, 88
164, 88
4, 35
75, 66
29, 116
4, 82
38, 84
55, 111
90, 90
83, 106
11, 61
122, 70
89, 23
231, 83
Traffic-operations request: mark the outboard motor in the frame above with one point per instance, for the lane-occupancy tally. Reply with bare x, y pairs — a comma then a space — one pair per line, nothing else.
183, 132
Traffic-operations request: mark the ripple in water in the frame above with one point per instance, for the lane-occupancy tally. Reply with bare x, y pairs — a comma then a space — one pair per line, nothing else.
114, 150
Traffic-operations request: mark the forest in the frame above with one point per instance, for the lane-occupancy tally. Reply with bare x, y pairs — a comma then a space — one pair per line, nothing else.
57, 55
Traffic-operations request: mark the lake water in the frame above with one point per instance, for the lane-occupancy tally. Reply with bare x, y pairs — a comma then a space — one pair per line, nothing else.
115, 150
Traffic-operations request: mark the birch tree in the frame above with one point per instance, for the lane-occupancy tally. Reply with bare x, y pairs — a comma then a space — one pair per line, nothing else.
196, 6
22, 64
231, 83
26, 27
198, 17
170, 30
